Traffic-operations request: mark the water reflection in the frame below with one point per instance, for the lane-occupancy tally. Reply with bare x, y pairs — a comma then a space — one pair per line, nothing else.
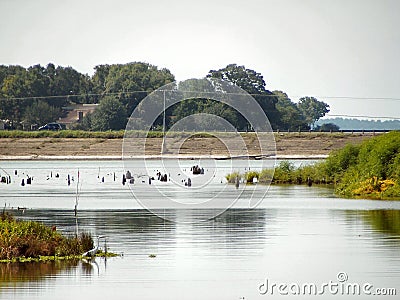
35, 271
385, 221
224, 258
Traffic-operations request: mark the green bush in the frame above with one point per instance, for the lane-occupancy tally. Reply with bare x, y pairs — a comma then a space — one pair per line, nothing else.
371, 169
231, 178
34, 239
249, 176
284, 172
266, 176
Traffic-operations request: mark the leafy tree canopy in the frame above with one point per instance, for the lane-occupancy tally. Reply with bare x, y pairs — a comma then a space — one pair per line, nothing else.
110, 114
290, 115
253, 83
312, 109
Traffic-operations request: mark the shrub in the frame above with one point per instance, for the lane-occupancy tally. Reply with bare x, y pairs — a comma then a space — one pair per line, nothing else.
249, 176
266, 176
231, 178
33, 239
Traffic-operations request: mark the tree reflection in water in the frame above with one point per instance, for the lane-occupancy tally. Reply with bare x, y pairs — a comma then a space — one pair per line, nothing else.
385, 221
35, 271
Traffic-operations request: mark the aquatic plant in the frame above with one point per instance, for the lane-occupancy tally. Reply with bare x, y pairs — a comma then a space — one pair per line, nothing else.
25, 239
250, 175
231, 178
369, 170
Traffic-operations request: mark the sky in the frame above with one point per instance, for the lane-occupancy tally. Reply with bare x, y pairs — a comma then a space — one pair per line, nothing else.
340, 51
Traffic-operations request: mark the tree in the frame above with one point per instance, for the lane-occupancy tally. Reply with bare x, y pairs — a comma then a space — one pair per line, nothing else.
312, 109
190, 107
67, 82
289, 114
12, 88
131, 81
85, 123
253, 83
40, 113
110, 115
327, 127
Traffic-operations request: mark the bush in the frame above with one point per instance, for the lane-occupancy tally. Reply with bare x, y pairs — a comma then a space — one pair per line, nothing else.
33, 239
283, 173
266, 176
371, 169
231, 178
249, 176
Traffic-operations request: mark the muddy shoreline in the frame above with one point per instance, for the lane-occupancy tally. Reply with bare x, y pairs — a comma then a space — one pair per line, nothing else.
288, 145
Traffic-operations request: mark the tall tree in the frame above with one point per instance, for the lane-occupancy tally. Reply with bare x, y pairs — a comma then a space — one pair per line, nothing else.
312, 109
40, 112
67, 82
253, 83
132, 82
110, 115
290, 116
190, 107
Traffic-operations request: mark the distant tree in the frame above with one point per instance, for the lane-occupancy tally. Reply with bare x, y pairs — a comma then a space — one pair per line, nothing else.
132, 82
327, 127
109, 115
40, 113
290, 116
85, 123
99, 78
67, 82
189, 107
253, 83
312, 109
12, 89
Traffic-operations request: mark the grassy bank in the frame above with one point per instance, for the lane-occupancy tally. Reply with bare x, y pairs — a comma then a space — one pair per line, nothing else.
62, 134
116, 134
368, 170
119, 134
26, 241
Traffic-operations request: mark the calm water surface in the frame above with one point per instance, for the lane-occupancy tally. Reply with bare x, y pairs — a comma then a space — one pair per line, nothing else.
296, 235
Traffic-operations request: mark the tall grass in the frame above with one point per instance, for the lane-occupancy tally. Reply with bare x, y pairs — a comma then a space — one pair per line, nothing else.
34, 239
369, 170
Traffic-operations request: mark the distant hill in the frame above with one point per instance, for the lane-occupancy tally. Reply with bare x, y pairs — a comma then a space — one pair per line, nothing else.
356, 124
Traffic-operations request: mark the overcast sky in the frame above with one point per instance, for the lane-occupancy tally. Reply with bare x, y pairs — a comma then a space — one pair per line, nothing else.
323, 48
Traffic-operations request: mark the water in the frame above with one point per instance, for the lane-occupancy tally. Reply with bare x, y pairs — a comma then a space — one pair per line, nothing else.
296, 235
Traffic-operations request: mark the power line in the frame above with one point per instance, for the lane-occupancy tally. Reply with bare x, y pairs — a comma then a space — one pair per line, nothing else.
356, 116
202, 92
355, 98
198, 92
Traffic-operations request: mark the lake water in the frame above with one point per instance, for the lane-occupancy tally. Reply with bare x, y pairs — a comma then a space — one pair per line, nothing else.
297, 235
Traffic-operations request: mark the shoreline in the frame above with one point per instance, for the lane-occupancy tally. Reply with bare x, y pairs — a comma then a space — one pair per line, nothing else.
156, 157
293, 146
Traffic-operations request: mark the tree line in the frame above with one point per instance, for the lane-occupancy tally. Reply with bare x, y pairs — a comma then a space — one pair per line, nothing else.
356, 124
38, 94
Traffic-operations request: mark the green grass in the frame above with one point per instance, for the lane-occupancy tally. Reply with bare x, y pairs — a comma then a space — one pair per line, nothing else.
34, 241
62, 134
118, 134
369, 170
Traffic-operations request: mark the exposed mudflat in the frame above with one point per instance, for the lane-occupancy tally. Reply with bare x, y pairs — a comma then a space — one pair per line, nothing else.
289, 145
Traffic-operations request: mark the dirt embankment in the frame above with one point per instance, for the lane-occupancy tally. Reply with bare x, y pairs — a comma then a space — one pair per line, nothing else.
287, 145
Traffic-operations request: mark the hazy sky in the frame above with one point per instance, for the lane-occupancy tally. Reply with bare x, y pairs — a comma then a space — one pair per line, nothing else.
323, 48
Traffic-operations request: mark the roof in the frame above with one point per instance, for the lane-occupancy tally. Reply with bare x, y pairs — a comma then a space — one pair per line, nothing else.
74, 111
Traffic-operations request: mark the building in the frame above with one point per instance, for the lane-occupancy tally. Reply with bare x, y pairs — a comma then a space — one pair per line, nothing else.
75, 113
